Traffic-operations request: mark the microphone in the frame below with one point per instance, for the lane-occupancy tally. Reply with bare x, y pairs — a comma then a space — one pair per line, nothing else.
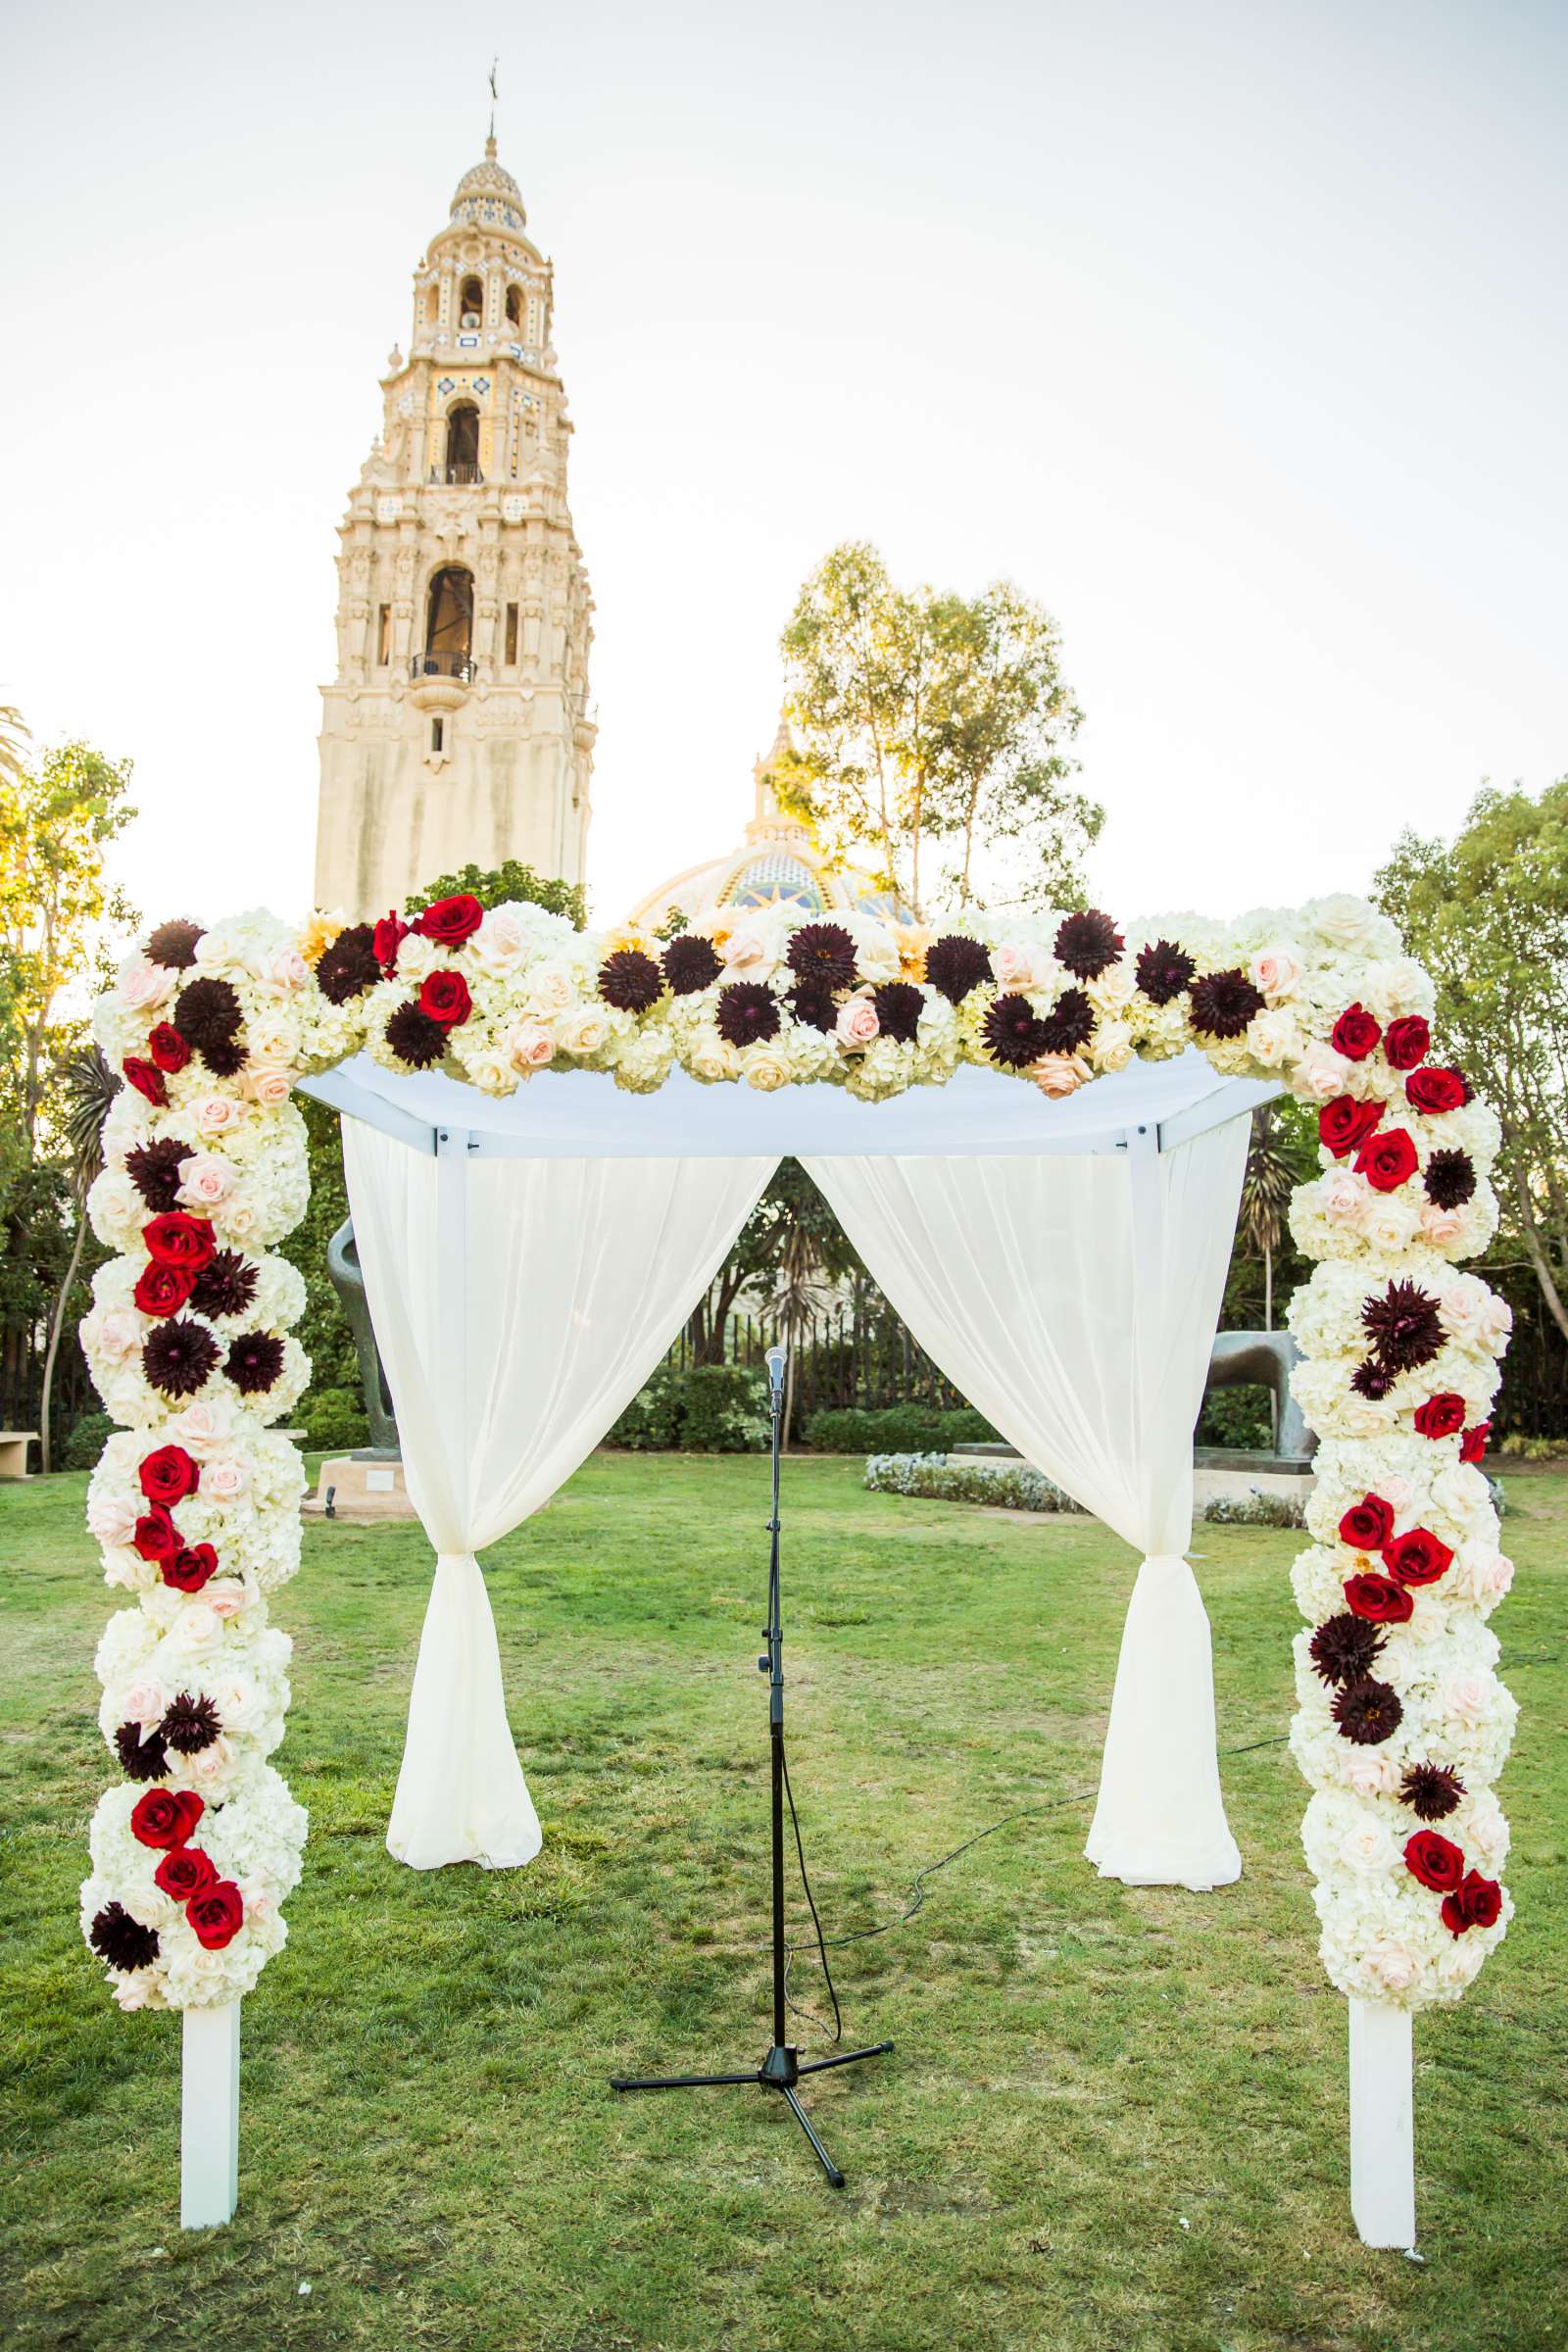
774, 1360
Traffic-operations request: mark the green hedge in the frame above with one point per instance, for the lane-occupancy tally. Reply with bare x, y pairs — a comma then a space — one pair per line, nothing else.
89, 1435
334, 1420
708, 1408
898, 1429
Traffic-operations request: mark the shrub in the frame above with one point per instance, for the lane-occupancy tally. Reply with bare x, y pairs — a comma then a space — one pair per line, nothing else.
932, 1477
334, 1420
89, 1435
898, 1429
707, 1408
1240, 1417
1254, 1509
725, 1410
651, 1423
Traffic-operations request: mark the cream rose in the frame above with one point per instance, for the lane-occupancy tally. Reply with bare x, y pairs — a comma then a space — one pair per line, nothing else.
765, 1066
583, 1031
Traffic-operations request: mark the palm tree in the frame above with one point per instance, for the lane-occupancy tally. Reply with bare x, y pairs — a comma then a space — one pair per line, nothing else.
14, 733
801, 1289
88, 1087
1267, 1190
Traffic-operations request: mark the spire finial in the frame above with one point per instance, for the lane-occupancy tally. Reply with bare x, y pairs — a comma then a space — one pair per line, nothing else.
490, 142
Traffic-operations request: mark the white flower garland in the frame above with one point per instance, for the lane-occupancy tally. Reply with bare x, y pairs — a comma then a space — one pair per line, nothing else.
1402, 1725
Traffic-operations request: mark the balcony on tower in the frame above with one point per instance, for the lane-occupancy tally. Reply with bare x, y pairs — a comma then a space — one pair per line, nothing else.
441, 674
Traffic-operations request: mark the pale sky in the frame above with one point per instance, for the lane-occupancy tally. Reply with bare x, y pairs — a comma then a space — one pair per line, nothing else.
1233, 332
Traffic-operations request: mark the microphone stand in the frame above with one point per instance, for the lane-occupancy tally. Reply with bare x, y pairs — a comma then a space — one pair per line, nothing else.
782, 2067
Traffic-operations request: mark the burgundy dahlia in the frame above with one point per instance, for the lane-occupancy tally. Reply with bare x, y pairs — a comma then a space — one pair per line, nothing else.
121, 1940
154, 1169
823, 954
898, 1006
1344, 1649
347, 967
812, 1005
1165, 970
747, 1013
255, 1361
1014, 1034
415, 1038
691, 962
140, 1759
225, 1287
207, 1013
179, 1357
1451, 1178
190, 1724
1431, 1790
954, 964
1088, 943
630, 981
226, 1056
1223, 1003
1369, 1380
1405, 1327
1367, 1711
173, 946
1070, 1022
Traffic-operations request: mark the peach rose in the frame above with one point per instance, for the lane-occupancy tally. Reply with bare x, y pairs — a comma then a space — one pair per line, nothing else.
1442, 1227
529, 1045
1058, 1074
856, 1025
266, 1083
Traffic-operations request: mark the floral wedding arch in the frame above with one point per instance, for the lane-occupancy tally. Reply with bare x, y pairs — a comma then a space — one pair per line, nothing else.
1402, 1725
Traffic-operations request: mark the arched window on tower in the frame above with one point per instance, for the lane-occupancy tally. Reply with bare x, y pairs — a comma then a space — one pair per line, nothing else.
462, 443
472, 305
515, 307
448, 624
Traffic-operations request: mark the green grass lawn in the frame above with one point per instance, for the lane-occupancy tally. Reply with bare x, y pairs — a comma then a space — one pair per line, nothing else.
1115, 2119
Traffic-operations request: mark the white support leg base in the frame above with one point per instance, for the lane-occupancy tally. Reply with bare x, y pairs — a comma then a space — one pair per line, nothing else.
1382, 2125
209, 2118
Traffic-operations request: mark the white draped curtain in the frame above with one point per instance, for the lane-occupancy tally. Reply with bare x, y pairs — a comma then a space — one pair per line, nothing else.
1073, 1300
518, 1305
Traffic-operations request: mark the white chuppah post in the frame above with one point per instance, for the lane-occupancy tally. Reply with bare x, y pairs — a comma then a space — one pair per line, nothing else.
1382, 2125
209, 2116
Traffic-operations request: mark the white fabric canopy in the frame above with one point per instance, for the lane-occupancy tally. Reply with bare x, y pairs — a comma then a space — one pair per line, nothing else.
1073, 1300
519, 1306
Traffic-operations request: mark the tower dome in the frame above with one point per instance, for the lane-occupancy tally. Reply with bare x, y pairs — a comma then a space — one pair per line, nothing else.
488, 196
778, 864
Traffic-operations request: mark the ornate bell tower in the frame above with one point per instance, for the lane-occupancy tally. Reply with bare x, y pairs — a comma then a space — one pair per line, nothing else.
457, 728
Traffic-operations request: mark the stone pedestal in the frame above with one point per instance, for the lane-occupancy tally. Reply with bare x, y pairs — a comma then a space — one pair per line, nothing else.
362, 1488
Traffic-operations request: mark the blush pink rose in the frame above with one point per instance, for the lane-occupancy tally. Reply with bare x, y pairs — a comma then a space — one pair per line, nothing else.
145, 1703
117, 1335
1342, 1198
113, 1519
219, 1114
206, 1180
225, 1597
1321, 1075
856, 1025
286, 968
747, 952
1442, 1227
266, 1083
204, 1426
1276, 972
1020, 969
143, 986
226, 1482
530, 1045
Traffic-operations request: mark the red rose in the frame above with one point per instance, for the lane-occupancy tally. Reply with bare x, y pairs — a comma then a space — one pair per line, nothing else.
1355, 1033
1473, 1445
1386, 1159
1441, 1415
190, 1567
146, 1077
1475, 1905
386, 939
445, 998
1367, 1525
177, 1239
166, 1817
157, 1537
1406, 1043
1344, 1124
185, 1874
1433, 1090
167, 1048
216, 1914
162, 1289
168, 1475
1417, 1557
450, 921
1376, 1598
1436, 1861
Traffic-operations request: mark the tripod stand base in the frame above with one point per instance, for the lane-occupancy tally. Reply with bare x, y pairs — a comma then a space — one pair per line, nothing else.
779, 2070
